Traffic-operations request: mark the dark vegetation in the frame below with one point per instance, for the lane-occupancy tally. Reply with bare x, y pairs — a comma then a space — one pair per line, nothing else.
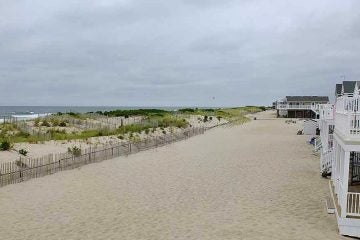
23, 152
136, 112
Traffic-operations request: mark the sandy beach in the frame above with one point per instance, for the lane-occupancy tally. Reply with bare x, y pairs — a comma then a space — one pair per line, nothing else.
254, 181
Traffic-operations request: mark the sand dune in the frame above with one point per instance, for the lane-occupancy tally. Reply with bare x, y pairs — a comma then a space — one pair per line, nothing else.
255, 181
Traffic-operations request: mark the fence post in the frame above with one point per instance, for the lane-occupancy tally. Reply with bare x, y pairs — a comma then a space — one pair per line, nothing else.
90, 154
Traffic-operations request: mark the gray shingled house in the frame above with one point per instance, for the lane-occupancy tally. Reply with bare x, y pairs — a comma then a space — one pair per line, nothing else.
300, 106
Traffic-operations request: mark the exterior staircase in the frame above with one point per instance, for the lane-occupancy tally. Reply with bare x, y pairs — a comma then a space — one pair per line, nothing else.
316, 109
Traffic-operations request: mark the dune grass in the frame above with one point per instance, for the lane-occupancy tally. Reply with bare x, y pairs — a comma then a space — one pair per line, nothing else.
154, 118
9, 132
236, 115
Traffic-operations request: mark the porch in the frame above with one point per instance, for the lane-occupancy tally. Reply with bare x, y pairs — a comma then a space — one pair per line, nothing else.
346, 177
345, 186
347, 118
350, 224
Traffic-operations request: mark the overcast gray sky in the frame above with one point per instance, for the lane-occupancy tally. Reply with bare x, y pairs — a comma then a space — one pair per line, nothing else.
174, 52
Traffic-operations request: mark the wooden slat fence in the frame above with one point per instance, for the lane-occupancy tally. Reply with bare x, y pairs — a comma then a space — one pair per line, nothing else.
28, 168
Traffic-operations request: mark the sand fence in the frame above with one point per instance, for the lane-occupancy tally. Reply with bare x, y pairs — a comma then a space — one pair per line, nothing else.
28, 168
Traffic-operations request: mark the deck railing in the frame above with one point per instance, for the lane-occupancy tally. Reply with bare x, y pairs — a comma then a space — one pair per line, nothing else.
326, 111
282, 106
286, 106
331, 141
326, 160
353, 204
348, 123
346, 104
318, 144
326, 134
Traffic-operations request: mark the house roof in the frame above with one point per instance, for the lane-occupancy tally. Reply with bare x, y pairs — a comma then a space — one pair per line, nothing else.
338, 89
307, 99
348, 86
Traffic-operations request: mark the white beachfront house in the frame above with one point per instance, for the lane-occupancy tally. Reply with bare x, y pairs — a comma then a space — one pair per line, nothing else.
300, 106
345, 169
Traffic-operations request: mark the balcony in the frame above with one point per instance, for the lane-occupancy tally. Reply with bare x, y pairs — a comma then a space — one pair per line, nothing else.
286, 106
346, 104
347, 118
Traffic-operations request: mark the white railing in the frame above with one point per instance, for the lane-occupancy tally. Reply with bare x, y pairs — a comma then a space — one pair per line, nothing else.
326, 161
346, 104
318, 144
326, 111
288, 106
348, 123
326, 134
331, 141
353, 204
347, 118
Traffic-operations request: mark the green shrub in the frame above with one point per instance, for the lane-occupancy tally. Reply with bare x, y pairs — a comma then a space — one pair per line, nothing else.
23, 152
37, 122
104, 132
164, 132
187, 110
54, 131
121, 137
147, 131
205, 119
62, 124
23, 134
45, 123
133, 128
262, 108
169, 121
5, 145
55, 122
75, 151
136, 112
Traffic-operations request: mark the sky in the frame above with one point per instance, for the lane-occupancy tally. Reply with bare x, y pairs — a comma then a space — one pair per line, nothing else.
175, 52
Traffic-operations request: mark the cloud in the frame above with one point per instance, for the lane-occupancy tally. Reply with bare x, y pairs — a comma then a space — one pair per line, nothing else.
173, 53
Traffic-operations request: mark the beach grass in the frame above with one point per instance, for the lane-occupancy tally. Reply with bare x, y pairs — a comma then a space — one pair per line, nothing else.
153, 118
234, 115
